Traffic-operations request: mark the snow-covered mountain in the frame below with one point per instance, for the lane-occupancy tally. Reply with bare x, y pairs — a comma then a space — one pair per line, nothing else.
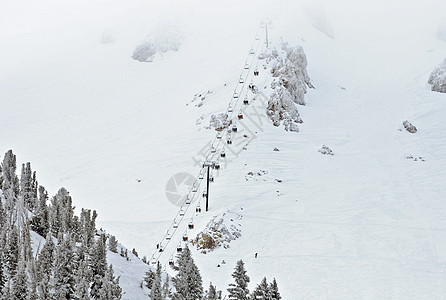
367, 222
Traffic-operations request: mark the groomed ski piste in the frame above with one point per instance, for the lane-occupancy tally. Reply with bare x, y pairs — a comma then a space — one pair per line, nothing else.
366, 223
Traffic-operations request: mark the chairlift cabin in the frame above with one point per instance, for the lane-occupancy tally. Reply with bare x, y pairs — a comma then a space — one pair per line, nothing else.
229, 141
168, 236
241, 80
161, 249
204, 192
230, 109
257, 38
175, 224
219, 135
185, 237
246, 66
179, 248
235, 94
201, 175
171, 262
181, 212
234, 128
153, 261
194, 188
245, 101
188, 201
222, 153
198, 208
191, 225
213, 149
240, 115
252, 50
217, 165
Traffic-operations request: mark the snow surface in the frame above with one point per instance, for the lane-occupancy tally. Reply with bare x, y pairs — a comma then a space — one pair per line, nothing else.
366, 223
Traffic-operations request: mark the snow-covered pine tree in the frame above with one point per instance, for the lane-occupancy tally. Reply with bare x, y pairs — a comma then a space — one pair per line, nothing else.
212, 293
149, 278
2, 274
12, 251
110, 286
155, 291
39, 222
262, 291
274, 289
98, 264
10, 181
19, 282
82, 287
188, 283
28, 186
44, 267
239, 289
64, 268
166, 293
113, 244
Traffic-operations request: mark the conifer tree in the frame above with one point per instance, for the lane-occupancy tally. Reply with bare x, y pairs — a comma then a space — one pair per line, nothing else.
27, 186
113, 244
274, 289
155, 291
2, 274
10, 181
212, 293
98, 265
110, 286
39, 222
239, 289
188, 283
166, 294
12, 251
64, 269
149, 278
262, 291
82, 288
19, 283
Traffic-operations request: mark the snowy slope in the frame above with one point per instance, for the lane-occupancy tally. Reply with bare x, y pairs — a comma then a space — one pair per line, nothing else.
366, 223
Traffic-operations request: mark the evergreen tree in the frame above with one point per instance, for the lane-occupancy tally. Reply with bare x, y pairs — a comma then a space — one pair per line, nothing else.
274, 289
262, 291
98, 264
155, 292
187, 282
64, 269
113, 244
27, 187
166, 294
39, 222
12, 251
82, 288
149, 278
212, 293
10, 181
19, 283
6, 292
134, 252
239, 289
110, 286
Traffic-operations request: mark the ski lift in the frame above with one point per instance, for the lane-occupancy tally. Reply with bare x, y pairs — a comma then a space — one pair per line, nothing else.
252, 50
181, 212
201, 176
240, 115
153, 261
230, 109
185, 237
241, 80
257, 38
171, 263
217, 165
179, 248
175, 224
219, 135
235, 94
246, 66
204, 192
194, 188
213, 149
168, 236
234, 128
161, 249
245, 101
187, 199
229, 141
198, 208
222, 153
191, 225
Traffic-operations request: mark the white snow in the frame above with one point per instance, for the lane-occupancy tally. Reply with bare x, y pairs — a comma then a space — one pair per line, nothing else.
366, 223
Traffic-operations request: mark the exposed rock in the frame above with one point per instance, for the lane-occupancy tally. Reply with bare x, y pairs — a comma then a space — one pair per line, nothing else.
409, 127
437, 79
325, 150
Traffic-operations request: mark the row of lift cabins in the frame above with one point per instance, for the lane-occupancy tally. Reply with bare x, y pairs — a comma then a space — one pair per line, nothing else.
215, 165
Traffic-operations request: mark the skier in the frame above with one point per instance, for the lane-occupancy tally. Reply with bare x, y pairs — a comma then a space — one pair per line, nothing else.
255, 255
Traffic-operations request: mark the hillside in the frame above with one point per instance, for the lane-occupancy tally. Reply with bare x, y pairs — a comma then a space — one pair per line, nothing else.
365, 223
